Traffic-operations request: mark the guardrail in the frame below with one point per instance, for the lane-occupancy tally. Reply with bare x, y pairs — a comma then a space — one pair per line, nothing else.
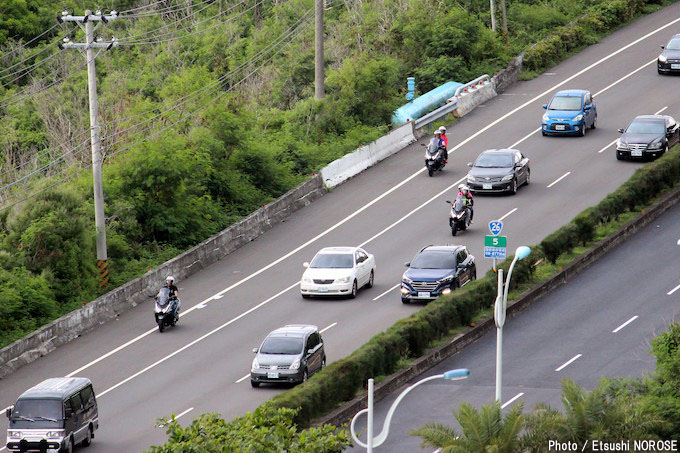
451, 104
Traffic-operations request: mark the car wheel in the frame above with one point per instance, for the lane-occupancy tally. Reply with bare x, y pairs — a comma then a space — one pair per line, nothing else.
254, 384
353, 294
594, 125
323, 363
405, 301
583, 129
370, 280
68, 448
88, 440
513, 189
304, 376
473, 275
528, 177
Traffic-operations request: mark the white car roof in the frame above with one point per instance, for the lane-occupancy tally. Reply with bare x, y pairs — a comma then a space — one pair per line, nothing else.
338, 250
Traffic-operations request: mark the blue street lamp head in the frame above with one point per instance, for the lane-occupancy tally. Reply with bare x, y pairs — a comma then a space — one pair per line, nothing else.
460, 373
678, 241
522, 252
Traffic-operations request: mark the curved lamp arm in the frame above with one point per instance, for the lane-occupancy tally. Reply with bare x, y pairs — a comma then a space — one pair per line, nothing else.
521, 253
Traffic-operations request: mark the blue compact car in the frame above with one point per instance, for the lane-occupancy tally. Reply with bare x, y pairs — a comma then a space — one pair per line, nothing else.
570, 112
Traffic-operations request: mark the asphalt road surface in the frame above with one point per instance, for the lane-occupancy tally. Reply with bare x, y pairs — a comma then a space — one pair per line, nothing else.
601, 323
392, 210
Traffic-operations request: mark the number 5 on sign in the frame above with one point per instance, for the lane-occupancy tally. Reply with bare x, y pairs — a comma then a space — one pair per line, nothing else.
495, 241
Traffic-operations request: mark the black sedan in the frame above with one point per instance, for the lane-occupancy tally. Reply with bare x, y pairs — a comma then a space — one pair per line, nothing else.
648, 136
499, 170
669, 60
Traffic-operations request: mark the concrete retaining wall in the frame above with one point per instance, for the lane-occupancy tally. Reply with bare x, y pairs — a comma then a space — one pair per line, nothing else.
397, 380
354, 163
108, 306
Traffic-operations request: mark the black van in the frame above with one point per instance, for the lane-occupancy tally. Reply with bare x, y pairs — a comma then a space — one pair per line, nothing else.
56, 414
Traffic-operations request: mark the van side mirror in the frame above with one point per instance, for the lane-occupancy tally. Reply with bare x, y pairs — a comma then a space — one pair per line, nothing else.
663, 47
8, 412
587, 107
407, 264
620, 130
305, 264
255, 350
545, 106
310, 351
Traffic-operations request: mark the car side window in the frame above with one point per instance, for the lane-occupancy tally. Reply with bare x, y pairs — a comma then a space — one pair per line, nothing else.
460, 257
76, 402
87, 396
311, 342
518, 158
588, 101
67, 409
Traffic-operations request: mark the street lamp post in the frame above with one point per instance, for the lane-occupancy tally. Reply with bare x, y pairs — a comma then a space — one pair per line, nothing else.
371, 441
500, 309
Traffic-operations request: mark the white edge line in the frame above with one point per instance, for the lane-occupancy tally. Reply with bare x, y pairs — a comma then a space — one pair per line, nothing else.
389, 290
568, 362
673, 290
605, 148
559, 179
242, 379
661, 110
162, 425
625, 324
513, 210
326, 328
201, 338
512, 399
524, 138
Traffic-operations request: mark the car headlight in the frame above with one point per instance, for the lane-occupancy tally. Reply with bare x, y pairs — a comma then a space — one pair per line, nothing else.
256, 364
306, 280
507, 177
54, 434
546, 117
343, 279
470, 178
621, 145
14, 434
655, 145
446, 279
578, 117
405, 279
295, 365
662, 59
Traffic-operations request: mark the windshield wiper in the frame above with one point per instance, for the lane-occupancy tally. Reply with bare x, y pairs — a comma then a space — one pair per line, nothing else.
25, 418
46, 418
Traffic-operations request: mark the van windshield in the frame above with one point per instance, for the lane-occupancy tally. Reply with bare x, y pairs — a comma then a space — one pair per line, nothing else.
37, 413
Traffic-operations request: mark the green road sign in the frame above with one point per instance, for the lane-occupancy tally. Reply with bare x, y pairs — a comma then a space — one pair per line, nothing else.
495, 241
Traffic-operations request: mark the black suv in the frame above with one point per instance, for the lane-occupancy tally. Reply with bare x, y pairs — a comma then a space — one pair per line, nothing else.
289, 354
437, 270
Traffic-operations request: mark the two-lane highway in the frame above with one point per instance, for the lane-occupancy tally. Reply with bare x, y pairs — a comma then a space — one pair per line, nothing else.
392, 209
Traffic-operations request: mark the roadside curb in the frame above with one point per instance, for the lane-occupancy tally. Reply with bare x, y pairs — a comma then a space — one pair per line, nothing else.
397, 380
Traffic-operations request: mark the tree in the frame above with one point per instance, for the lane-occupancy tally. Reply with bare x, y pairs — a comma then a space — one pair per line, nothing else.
483, 431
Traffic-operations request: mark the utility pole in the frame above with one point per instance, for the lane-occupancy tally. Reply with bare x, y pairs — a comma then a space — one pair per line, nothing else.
95, 132
318, 47
493, 15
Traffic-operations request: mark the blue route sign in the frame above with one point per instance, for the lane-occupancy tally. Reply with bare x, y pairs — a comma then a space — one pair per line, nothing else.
495, 226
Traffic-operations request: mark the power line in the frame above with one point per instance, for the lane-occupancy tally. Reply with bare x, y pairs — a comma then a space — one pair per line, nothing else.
23, 46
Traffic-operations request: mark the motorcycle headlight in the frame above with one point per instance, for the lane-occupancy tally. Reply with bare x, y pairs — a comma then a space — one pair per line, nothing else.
507, 177
343, 279
471, 178
295, 365
446, 279
662, 59
14, 434
621, 144
546, 117
655, 145
256, 364
306, 280
578, 117
54, 434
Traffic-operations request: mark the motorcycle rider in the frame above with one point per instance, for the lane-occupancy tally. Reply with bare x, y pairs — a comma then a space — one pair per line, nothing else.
445, 139
464, 191
174, 294
439, 143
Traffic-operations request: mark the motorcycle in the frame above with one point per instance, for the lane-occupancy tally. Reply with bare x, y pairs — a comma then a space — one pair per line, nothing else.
459, 216
165, 310
434, 158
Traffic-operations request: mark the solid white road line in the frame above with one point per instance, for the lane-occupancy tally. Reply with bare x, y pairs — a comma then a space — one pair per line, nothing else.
162, 425
512, 399
391, 289
625, 324
605, 148
661, 110
326, 328
568, 362
374, 201
511, 211
624, 77
559, 179
524, 138
674, 289
243, 378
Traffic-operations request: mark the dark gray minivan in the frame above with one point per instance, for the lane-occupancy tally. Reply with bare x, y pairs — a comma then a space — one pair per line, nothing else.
56, 414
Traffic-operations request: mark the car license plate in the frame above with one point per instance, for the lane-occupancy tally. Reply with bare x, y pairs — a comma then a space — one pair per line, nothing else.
423, 295
323, 289
636, 153
487, 186
559, 127
675, 66
272, 375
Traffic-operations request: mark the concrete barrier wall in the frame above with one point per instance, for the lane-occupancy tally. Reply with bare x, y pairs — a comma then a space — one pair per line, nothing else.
108, 306
396, 381
473, 97
354, 163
